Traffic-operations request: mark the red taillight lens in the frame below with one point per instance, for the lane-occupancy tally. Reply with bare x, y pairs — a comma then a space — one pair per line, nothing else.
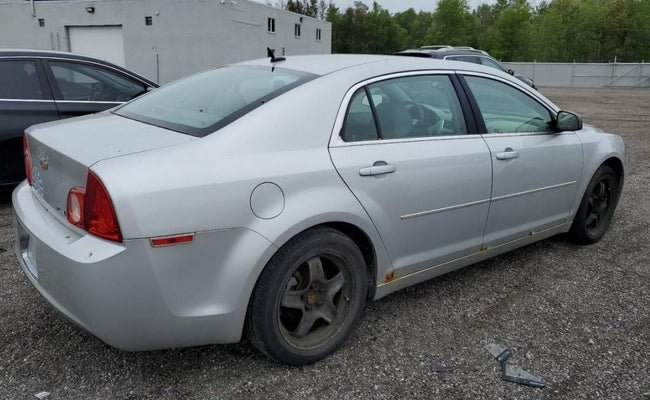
99, 214
28, 160
76, 198
90, 208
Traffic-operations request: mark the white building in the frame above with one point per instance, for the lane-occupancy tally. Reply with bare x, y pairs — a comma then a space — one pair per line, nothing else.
162, 39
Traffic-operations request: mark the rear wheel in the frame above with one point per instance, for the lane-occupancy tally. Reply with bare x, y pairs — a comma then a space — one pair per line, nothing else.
596, 208
308, 298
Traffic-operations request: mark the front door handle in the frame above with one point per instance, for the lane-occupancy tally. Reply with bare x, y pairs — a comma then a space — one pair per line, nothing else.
378, 168
507, 154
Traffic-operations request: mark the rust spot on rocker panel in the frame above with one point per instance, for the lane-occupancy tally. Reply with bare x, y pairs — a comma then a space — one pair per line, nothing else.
391, 276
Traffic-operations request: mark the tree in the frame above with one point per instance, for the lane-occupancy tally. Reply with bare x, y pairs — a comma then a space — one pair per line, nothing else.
452, 23
383, 34
305, 7
510, 35
419, 29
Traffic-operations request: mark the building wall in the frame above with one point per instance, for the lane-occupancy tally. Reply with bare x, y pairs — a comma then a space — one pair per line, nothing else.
186, 36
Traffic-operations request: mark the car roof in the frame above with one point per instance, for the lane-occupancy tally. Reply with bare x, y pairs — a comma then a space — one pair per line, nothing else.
69, 56
328, 63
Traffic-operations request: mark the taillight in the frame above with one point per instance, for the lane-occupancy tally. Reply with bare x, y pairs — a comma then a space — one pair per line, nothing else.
76, 198
28, 160
91, 208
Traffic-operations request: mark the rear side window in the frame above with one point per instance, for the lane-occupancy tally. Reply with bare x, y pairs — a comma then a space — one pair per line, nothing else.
359, 124
408, 107
82, 82
19, 80
203, 103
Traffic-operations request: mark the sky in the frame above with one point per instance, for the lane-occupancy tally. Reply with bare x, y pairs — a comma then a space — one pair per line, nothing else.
394, 6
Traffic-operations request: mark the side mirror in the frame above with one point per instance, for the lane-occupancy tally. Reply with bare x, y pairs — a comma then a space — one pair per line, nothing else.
568, 121
511, 72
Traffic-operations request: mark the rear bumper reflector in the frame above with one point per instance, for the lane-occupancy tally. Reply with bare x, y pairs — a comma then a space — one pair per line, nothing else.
163, 241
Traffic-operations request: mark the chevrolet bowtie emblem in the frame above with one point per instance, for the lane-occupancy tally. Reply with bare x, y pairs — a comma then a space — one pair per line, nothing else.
44, 164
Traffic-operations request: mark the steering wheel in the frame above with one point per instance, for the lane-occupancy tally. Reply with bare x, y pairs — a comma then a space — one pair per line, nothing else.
416, 112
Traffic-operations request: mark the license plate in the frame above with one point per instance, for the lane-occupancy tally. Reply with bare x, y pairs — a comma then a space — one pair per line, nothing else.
27, 251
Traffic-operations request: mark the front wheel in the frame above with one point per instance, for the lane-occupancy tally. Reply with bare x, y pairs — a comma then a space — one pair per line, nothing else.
596, 208
308, 298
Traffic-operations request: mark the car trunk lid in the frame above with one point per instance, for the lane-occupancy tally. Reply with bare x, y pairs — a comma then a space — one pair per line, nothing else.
63, 151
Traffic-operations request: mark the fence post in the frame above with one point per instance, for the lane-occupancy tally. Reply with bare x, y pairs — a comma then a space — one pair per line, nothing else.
534, 64
640, 73
573, 71
611, 80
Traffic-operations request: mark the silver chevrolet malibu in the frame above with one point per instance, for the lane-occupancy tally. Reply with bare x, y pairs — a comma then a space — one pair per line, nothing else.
275, 197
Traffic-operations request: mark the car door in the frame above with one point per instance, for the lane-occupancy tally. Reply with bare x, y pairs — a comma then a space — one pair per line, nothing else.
83, 88
405, 149
25, 100
536, 170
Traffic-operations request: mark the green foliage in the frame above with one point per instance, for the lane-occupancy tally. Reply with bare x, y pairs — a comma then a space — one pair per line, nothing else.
452, 24
511, 30
510, 34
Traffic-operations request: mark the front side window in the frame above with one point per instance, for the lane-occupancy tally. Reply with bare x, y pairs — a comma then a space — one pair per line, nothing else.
490, 63
19, 80
408, 107
82, 82
507, 110
200, 104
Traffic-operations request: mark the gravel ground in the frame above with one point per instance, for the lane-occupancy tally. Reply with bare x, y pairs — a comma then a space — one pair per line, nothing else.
576, 316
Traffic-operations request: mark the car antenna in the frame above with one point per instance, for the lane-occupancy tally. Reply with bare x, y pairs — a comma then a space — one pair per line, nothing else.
271, 53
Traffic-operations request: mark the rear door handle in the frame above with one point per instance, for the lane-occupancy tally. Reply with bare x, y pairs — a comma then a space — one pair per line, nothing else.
507, 154
377, 169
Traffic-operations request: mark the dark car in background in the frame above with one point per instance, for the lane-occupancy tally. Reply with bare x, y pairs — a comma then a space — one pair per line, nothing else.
41, 86
463, 53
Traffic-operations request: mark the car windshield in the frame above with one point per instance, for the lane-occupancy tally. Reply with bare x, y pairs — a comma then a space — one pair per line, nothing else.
203, 103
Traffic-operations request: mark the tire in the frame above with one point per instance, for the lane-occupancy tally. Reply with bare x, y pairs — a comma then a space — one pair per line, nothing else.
308, 298
596, 208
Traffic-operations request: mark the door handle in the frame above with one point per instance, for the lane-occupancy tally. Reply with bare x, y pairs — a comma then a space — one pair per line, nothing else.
507, 154
379, 168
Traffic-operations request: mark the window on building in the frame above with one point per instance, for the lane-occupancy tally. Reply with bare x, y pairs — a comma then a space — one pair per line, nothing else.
41, 22
148, 21
270, 25
318, 35
296, 30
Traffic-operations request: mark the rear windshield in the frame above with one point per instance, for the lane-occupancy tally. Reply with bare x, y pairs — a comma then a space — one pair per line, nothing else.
203, 103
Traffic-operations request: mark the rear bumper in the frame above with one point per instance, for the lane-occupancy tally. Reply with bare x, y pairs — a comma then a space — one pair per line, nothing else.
133, 296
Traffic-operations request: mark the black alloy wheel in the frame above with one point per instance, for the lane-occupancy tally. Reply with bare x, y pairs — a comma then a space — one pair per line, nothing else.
596, 208
308, 298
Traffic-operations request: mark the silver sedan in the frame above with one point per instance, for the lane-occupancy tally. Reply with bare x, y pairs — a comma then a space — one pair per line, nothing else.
275, 197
